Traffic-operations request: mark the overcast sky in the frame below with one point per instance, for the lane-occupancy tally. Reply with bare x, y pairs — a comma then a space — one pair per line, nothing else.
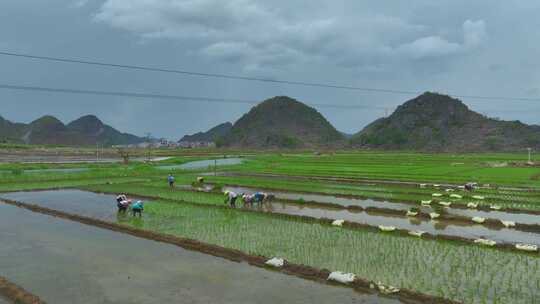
457, 46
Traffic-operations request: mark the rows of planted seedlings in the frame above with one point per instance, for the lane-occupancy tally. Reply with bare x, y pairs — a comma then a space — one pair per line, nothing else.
437, 212
503, 198
459, 272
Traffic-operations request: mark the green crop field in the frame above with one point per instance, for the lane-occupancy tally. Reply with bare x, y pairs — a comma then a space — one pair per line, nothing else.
459, 271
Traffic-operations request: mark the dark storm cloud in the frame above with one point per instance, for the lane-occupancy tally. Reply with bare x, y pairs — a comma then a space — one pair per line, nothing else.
478, 48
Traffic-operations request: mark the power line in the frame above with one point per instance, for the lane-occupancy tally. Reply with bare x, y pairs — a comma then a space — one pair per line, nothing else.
163, 97
258, 79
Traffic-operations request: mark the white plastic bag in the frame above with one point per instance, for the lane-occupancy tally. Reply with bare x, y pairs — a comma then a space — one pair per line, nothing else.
338, 223
478, 219
418, 233
472, 205
341, 277
485, 242
387, 228
276, 262
508, 224
527, 247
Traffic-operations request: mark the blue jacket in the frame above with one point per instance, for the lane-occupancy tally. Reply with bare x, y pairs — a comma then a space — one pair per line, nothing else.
138, 206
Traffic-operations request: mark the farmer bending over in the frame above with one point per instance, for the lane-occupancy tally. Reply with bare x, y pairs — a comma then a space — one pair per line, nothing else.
137, 208
259, 197
231, 197
123, 206
248, 199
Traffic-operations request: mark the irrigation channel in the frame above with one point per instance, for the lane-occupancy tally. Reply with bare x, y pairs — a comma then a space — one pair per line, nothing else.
436, 227
65, 262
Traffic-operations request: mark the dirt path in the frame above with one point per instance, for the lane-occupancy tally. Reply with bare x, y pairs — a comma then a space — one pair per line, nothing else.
16, 294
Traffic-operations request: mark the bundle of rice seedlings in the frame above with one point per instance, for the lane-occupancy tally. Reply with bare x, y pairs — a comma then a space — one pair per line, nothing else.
411, 213
436, 195
478, 197
457, 196
426, 202
495, 207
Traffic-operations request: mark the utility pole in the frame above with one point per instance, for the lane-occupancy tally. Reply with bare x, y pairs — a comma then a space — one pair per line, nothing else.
530, 150
148, 135
97, 152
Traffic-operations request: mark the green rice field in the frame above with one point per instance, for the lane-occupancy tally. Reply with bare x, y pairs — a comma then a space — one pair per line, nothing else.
467, 273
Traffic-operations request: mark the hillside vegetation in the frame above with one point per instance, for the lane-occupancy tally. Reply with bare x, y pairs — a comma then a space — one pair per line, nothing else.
48, 130
436, 122
282, 122
210, 135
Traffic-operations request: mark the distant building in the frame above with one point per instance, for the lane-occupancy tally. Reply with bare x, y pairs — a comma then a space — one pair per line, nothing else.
196, 144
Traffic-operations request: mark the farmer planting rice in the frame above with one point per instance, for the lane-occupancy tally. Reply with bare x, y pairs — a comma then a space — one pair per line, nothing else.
137, 208
170, 179
231, 197
470, 186
122, 203
259, 197
248, 199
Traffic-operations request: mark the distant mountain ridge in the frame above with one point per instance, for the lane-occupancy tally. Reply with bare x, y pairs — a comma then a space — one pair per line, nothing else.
209, 136
436, 122
87, 130
282, 122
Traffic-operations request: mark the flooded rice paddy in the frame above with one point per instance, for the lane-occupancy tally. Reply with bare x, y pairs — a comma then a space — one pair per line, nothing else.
203, 164
459, 272
436, 227
66, 262
103, 206
523, 218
